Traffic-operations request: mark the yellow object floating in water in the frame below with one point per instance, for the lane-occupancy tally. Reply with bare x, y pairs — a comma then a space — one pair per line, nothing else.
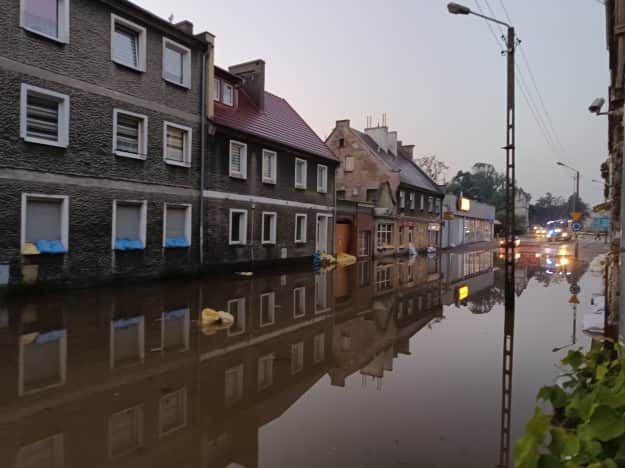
345, 259
327, 258
30, 249
211, 321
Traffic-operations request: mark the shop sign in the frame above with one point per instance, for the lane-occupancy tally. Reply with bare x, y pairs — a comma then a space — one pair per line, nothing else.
434, 227
464, 204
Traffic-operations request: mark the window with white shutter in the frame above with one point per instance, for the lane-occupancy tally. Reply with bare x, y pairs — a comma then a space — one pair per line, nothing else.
128, 43
238, 159
177, 144
130, 134
44, 116
269, 167
45, 224
48, 18
300, 173
176, 63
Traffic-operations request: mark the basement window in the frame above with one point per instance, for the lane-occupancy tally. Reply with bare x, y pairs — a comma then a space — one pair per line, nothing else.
130, 134
44, 116
129, 225
177, 226
45, 224
238, 227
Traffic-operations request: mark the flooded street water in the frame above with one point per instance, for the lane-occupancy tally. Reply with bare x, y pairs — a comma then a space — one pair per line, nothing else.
392, 363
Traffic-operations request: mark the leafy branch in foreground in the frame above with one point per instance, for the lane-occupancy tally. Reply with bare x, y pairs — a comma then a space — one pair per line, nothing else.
586, 427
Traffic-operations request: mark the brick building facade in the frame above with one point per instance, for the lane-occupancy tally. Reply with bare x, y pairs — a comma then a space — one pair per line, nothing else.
376, 168
101, 132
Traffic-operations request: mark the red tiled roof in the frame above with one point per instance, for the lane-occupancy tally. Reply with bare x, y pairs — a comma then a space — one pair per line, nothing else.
279, 122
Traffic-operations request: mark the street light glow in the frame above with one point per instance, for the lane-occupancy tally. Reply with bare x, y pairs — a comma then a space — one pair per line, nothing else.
457, 9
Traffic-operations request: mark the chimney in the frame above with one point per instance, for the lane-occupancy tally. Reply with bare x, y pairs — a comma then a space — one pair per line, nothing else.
379, 135
253, 75
342, 123
392, 143
185, 26
409, 150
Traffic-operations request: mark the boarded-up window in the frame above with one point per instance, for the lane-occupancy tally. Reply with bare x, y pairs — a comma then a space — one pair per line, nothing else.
43, 220
176, 222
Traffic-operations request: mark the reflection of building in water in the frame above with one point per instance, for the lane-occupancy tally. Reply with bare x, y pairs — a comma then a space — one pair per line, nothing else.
468, 276
130, 379
385, 309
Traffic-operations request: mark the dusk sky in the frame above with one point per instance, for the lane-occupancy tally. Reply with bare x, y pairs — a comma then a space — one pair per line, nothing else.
439, 78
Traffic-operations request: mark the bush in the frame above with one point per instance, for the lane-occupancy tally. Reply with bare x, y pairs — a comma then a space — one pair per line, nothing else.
587, 424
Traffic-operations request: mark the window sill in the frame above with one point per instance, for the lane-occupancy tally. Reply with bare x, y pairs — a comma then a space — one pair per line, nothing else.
124, 154
41, 141
300, 242
268, 181
322, 191
268, 243
238, 176
237, 244
58, 40
300, 187
171, 162
129, 66
185, 86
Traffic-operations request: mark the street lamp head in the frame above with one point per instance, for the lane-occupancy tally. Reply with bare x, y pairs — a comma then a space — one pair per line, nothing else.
457, 9
595, 107
560, 163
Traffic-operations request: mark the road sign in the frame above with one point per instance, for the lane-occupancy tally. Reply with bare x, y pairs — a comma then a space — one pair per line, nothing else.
576, 226
576, 215
574, 299
575, 289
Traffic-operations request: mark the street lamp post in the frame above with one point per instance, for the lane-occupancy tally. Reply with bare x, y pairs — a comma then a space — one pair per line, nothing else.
457, 9
576, 183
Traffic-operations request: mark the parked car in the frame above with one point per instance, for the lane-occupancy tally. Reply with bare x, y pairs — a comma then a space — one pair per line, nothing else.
517, 242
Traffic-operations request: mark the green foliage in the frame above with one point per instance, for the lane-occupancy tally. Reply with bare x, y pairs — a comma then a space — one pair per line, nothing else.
586, 427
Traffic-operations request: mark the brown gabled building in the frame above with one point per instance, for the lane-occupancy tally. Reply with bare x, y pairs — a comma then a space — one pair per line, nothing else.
269, 179
377, 168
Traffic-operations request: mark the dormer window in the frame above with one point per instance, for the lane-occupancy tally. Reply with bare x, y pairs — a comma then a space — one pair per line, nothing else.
228, 94
216, 90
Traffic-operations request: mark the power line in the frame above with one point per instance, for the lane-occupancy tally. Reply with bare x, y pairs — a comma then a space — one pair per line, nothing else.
523, 87
535, 84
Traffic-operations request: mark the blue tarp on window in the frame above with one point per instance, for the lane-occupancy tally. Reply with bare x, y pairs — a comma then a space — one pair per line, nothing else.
176, 242
128, 244
47, 337
127, 322
50, 246
172, 314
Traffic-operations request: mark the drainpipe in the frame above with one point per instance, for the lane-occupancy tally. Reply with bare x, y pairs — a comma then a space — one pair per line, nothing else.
334, 225
202, 156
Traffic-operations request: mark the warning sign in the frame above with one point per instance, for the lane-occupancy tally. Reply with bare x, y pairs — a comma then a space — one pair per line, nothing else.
576, 215
574, 299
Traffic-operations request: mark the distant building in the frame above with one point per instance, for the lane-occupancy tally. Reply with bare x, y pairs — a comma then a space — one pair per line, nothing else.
472, 221
376, 168
522, 206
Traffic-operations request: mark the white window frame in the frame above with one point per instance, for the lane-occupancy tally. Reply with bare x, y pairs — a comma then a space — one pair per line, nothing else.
217, 95
141, 46
186, 62
302, 299
411, 197
303, 240
182, 394
143, 135
143, 221
240, 301
62, 140
274, 167
187, 220
64, 216
239, 371
186, 162
271, 305
272, 215
243, 173
402, 199
224, 86
267, 357
304, 184
297, 357
63, 22
323, 187
242, 227
349, 163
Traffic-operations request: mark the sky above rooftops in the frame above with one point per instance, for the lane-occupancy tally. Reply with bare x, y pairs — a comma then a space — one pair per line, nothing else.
440, 79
